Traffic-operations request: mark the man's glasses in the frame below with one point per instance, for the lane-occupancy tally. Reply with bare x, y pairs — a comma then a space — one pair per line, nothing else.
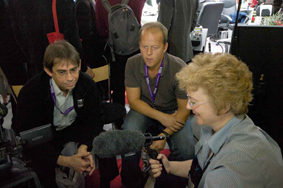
192, 104
64, 73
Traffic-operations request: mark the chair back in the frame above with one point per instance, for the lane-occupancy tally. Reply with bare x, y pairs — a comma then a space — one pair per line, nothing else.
230, 7
265, 10
101, 73
17, 89
201, 2
209, 16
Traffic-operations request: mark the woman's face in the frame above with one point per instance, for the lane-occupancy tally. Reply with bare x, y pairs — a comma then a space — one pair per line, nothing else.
198, 102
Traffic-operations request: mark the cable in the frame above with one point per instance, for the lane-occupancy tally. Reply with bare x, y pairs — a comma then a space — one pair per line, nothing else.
217, 44
196, 138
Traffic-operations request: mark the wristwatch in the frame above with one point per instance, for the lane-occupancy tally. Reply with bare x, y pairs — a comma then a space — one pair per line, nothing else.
166, 135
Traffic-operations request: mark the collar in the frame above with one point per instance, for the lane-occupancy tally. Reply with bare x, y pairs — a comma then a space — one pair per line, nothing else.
164, 69
216, 141
78, 92
57, 89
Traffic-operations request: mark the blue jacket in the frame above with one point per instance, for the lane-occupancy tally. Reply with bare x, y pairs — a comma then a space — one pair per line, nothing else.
241, 18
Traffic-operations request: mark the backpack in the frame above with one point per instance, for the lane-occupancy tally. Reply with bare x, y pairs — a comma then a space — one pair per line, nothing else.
123, 28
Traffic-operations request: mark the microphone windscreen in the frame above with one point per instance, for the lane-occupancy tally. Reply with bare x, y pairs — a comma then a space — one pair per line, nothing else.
117, 142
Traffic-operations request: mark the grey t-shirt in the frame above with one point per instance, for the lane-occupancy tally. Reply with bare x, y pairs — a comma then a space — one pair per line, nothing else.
168, 90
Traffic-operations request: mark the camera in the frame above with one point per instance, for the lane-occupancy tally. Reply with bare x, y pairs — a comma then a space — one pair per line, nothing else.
13, 170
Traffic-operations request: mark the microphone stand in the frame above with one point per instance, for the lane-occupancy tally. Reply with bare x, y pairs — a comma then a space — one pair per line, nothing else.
235, 37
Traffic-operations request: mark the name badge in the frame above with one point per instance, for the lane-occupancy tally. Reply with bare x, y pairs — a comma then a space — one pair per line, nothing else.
80, 103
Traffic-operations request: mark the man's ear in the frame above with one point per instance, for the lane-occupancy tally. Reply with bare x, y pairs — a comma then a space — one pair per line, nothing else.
48, 71
165, 47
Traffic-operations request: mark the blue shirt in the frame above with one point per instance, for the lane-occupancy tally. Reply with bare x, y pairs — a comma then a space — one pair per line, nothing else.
244, 156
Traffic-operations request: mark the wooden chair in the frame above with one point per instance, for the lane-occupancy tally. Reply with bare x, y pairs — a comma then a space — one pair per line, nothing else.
17, 89
103, 73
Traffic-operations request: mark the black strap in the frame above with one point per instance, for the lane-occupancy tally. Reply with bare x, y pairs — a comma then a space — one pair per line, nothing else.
125, 2
108, 7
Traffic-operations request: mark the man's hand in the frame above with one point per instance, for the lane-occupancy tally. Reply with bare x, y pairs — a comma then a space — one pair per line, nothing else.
77, 162
80, 162
90, 72
82, 148
156, 167
91, 168
158, 145
170, 121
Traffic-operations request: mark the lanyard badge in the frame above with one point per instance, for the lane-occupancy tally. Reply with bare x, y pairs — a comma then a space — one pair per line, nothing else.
54, 100
153, 94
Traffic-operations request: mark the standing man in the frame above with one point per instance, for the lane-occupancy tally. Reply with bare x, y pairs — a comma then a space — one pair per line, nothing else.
156, 100
69, 100
179, 17
31, 22
117, 67
92, 43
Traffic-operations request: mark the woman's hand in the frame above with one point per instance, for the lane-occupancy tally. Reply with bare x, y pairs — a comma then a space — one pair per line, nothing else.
156, 167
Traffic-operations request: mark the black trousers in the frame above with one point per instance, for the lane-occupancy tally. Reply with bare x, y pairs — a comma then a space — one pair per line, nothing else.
43, 157
46, 172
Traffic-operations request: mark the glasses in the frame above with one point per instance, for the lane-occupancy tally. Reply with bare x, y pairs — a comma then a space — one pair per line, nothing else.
64, 73
191, 103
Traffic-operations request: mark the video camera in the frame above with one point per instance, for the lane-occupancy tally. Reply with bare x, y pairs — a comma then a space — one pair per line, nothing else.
13, 167
5, 144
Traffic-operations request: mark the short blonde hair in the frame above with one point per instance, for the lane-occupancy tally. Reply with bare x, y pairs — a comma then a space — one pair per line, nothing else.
154, 27
224, 78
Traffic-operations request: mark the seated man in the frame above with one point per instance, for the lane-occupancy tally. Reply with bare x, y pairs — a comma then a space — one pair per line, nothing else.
156, 100
69, 100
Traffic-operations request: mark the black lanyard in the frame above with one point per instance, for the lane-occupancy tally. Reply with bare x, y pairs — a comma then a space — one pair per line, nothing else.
196, 172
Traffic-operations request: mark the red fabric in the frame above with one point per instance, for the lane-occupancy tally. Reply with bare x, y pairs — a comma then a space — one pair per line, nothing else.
254, 3
102, 15
126, 98
93, 181
54, 12
54, 36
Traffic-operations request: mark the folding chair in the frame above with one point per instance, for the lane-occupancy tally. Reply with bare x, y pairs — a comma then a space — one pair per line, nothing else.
112, 111
101, 74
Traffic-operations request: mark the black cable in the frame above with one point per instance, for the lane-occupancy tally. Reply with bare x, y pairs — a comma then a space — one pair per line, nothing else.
196, 138
234, 38
218, 44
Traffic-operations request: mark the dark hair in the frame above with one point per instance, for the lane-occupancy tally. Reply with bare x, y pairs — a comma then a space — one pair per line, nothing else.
58, 52
153, 27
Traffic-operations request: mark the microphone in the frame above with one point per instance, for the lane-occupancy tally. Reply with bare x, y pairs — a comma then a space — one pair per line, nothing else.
119, 142
111, 143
